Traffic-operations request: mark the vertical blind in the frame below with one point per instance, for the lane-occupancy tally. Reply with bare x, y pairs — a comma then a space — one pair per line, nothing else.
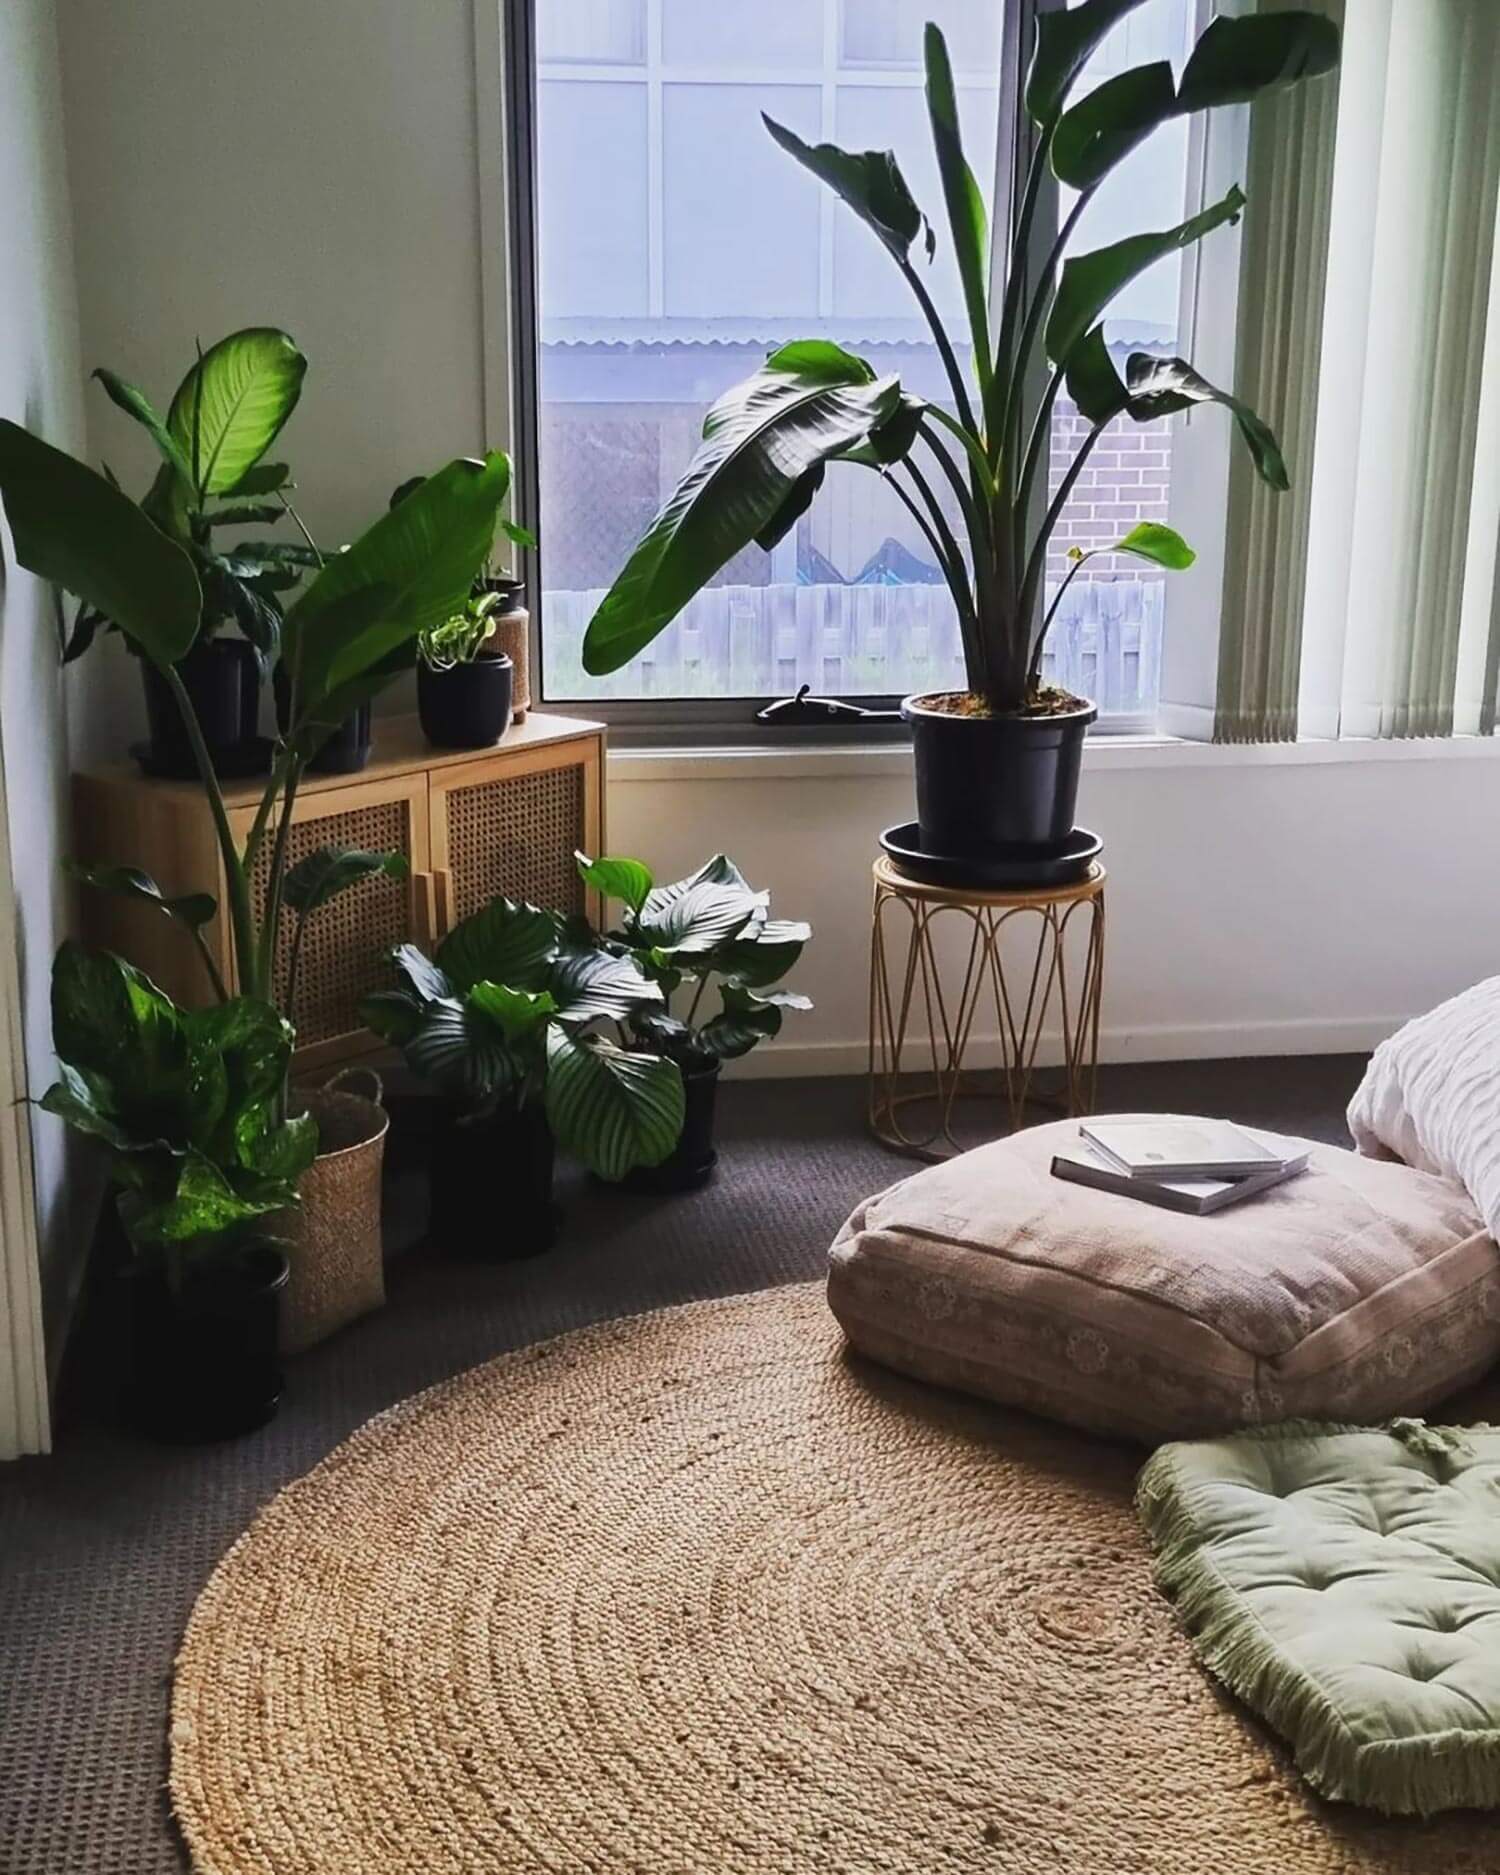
1364, 603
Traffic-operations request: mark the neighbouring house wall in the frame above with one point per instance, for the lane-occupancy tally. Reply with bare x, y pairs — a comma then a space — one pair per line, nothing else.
316, 165
39, 386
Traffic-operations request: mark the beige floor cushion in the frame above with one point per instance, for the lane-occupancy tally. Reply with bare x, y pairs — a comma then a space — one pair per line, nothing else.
1359, 1290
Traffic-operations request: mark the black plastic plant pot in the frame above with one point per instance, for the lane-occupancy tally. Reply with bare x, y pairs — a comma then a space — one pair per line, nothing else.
988, 785
346, 751
694, 1157
222, 679
203, 1356
490, 1186
467, 707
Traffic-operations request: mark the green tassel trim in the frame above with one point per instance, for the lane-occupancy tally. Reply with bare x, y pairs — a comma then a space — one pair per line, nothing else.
1416, 1776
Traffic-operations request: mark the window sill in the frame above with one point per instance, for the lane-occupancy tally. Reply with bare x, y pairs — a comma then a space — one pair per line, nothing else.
780, 762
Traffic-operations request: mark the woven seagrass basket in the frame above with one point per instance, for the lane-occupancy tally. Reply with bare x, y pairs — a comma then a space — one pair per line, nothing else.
332, 1238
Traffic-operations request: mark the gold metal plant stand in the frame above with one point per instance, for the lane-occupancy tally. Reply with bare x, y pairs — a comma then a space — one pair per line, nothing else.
909, 1007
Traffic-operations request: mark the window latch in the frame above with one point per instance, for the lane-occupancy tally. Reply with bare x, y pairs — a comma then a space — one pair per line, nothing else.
802, 710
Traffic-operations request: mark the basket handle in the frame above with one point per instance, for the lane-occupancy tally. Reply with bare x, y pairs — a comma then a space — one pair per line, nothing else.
359, 1067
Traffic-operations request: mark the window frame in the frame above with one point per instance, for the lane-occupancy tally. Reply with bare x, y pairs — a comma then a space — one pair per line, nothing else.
506, 47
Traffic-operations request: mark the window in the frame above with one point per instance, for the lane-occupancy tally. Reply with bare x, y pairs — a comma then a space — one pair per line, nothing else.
677, 245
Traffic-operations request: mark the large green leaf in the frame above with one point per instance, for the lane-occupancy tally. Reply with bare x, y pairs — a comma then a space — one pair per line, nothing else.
194, 909
694, 915
503, 942
967, 221
426, 980
135, 403
1065, 37
759, 440
627, 880
746, 1019
764, 952
869, 181
244, 1050
1151, 540
1160, 386
70, 526
204, 1205
1102, 128
612, 1108
516, 1013
230, 408
463, 1052
110, 1021
322, 875
1238, 59
1094, 384
424, 554
1090, 281
589, 985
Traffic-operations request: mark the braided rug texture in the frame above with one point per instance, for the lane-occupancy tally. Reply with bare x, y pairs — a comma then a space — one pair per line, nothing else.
692, 1592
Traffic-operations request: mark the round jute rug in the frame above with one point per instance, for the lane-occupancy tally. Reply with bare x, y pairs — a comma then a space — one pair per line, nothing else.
691, 1594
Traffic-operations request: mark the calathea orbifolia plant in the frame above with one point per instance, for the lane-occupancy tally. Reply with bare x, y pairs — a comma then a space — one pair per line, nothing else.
712, 927
506, 1016
767, 443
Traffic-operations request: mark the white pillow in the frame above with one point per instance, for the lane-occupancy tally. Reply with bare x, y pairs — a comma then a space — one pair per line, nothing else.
1431, 1096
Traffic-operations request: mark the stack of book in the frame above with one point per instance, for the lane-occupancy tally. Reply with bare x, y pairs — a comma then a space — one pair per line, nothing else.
1184, 1165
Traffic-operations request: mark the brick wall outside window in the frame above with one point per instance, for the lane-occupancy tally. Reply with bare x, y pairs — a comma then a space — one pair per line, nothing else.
1126, 480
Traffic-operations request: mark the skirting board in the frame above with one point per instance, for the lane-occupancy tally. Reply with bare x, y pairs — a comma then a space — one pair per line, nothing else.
1215, 1041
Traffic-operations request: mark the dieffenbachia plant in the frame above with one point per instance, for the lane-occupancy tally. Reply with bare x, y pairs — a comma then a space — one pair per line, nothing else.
507, 1012
767, 442
347, 634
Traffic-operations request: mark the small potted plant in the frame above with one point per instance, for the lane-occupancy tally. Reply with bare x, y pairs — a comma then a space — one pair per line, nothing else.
464, 688
224, 415
188, 1103
503, 1022
459, 699
710, 928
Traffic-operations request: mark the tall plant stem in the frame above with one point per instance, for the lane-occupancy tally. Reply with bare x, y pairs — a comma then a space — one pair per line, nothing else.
975, 664
241, 923
1036, 446
944, 344
1033, 669
217, 981
271, 918
1035, 312
1038, 559
976, 513
1003, 377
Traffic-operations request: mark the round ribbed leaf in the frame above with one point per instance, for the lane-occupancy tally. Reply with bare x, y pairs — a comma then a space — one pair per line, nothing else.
462, 1052
612, 1109
421, 973
590, 985
504, 942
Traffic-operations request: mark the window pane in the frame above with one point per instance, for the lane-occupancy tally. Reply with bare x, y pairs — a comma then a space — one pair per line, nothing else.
768, 33
880, 32
680, 245
1106, 641
601, 32
592, 148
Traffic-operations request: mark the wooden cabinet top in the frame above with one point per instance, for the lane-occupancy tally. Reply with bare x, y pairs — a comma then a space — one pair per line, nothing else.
398, 747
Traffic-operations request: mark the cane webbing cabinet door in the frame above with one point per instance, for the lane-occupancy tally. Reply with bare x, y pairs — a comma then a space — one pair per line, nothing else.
471, 825
347, 945
510, 826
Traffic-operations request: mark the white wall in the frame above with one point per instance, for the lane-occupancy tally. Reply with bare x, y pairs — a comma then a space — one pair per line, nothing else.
39, 386
302, 163
1260, 901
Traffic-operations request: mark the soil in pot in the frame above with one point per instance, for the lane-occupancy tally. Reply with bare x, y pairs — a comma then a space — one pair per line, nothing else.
490, 1185
222, 679
346, 751
467, 707
990, 786
694, 1157
203, 1356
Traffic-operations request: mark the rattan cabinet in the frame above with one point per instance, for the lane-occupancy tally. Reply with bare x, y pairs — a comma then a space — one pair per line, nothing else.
472, 825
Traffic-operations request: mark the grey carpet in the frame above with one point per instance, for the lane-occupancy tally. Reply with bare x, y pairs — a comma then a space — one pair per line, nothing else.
105, 1545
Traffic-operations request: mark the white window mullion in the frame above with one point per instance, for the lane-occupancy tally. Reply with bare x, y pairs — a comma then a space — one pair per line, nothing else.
655, 184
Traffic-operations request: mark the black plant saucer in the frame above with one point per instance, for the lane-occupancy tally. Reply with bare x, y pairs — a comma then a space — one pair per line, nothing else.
1015, 871
250, 758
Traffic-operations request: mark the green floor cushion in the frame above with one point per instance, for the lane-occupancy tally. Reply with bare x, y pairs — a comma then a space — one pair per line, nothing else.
1344, 1582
